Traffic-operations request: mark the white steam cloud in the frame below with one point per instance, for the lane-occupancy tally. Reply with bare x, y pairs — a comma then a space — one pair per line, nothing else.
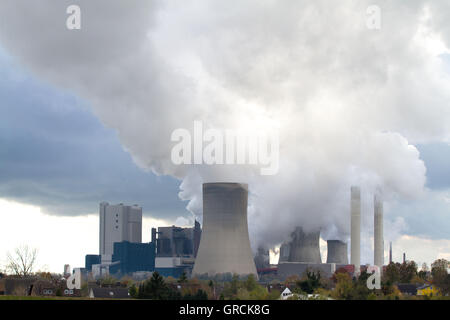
349, 102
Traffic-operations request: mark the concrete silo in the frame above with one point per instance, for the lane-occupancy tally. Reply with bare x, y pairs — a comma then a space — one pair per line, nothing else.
225, 244
305, 246
337, 252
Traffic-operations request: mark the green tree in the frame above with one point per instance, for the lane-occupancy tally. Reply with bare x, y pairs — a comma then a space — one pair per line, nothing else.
392, 273
155, 288
107, 281
408, 270
344, 287
360, 289
310, 283
441, 278
183, 278
234, 284
133, 291
250, 283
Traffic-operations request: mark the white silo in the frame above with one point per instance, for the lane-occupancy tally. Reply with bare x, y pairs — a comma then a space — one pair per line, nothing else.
225, 244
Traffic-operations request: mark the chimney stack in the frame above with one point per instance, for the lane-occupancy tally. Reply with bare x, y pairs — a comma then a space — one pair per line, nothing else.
355, 211
378, 230
390, 252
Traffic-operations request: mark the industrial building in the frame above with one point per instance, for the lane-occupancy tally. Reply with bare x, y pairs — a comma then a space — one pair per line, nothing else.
132, 257
286, 269
262, 259
118, 223
176, 241
225, 244
302, 252
174, 266
285, 249
90, 260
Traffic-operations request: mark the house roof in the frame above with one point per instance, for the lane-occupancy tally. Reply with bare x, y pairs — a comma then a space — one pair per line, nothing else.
425, 286
407, 288
287, 291
112, 293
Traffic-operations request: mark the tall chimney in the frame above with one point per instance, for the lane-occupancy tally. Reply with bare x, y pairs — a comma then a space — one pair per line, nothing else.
390, 252
378, 230
355, 245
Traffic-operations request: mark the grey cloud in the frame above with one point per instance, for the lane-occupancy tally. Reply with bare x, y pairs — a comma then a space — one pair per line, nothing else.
55, 154
437, 161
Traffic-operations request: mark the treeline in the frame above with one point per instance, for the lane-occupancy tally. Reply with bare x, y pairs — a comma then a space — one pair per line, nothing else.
158, 288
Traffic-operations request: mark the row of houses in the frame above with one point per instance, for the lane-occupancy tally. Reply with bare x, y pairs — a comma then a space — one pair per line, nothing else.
33, 286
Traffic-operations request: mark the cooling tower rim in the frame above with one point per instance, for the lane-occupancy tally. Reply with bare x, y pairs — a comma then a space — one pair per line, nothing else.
336, 241
225, 184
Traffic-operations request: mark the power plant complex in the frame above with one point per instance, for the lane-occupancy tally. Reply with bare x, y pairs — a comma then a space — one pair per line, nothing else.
222, 245
302, 252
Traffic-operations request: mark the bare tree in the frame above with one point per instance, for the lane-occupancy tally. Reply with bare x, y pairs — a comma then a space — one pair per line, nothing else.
22, 261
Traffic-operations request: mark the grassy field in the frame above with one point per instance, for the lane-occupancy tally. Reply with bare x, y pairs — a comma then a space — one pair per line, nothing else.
52, 298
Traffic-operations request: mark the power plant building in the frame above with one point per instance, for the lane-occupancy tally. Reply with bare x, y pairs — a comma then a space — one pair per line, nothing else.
225, 244
118, 223
90, 260
262, 259
176, 241
132, 257
285, 249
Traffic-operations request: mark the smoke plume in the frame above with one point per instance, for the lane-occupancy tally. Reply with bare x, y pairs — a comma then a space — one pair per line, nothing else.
349, 102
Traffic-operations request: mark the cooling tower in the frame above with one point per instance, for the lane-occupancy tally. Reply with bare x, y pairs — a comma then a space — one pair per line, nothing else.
355, 211
378, 230
225, 244
337, 252
305, 247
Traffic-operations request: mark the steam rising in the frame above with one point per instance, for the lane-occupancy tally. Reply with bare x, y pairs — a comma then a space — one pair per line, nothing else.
349, 103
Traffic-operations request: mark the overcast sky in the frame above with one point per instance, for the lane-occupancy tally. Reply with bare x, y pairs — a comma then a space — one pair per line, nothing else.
86, 116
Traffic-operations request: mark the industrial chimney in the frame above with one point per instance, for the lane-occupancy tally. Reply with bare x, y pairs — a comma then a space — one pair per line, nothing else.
378, 230
355, 211
305, 246
337, 252
225, 244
